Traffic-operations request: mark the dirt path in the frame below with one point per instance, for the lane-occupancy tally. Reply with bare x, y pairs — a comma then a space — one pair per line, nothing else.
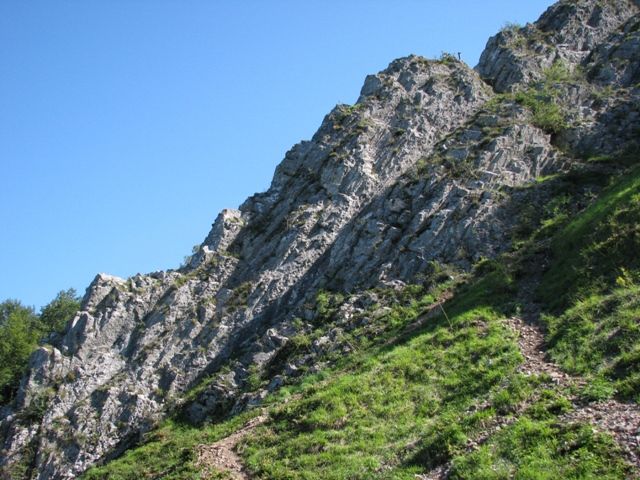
620, 419
222, 455
531, 346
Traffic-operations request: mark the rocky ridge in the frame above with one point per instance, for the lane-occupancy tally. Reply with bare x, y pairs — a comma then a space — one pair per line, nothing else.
427, 168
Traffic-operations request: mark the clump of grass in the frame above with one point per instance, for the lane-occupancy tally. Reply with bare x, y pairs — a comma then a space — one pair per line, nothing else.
547, 115
239, 297
168, 452
542, 449
327, 303
169, 447
511, 27
544, 97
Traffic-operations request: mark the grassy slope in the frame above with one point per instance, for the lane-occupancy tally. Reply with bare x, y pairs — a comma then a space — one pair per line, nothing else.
595, 288
420, 389
404, 406
420, 401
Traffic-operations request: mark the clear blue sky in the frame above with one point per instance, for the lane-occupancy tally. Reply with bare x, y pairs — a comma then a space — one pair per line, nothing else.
126, 126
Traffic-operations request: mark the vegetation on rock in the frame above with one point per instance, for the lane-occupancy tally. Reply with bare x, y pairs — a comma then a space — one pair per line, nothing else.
442, 283
22, 329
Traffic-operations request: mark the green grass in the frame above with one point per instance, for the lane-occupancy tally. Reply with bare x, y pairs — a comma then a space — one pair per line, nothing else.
169, 451
593, 288
544, 98
597, 247
409, 405
547, 115
541, 449
414, 393
409, 397
398, 405
600, 334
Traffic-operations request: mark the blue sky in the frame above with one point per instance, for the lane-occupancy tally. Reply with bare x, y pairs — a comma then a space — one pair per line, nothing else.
127, 126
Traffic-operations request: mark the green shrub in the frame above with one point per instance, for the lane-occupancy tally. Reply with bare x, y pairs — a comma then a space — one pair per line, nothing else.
239, 297
511, 27
34, 412
547, 115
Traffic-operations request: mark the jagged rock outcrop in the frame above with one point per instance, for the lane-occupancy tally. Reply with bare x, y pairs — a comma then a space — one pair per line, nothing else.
567, 31
596, 45
426, 168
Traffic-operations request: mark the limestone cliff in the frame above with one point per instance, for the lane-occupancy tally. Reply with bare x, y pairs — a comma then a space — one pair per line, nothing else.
423, 170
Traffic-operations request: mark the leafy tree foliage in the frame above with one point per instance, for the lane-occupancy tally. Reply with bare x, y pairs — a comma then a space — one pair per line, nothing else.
55, 315
22, 329
19, 335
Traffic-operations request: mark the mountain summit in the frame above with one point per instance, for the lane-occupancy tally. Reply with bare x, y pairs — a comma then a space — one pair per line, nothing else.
439, 215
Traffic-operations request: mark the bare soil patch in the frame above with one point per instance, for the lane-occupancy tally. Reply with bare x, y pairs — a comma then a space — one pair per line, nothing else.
222, 455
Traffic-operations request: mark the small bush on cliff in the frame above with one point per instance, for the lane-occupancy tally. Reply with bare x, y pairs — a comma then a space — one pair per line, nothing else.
510, 27
239, 297
544, 98
546, 114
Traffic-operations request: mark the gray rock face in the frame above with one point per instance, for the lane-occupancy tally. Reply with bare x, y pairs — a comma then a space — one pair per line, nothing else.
429, 166
594, 42
615, 61
567, 31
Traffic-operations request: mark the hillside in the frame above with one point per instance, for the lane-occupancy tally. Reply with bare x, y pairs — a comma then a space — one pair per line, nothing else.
442, 283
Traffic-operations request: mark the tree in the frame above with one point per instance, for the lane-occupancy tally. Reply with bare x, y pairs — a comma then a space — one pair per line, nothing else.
20, 333
55, 315
21, 330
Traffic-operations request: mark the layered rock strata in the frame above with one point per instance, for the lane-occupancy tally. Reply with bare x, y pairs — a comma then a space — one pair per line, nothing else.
428, 167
